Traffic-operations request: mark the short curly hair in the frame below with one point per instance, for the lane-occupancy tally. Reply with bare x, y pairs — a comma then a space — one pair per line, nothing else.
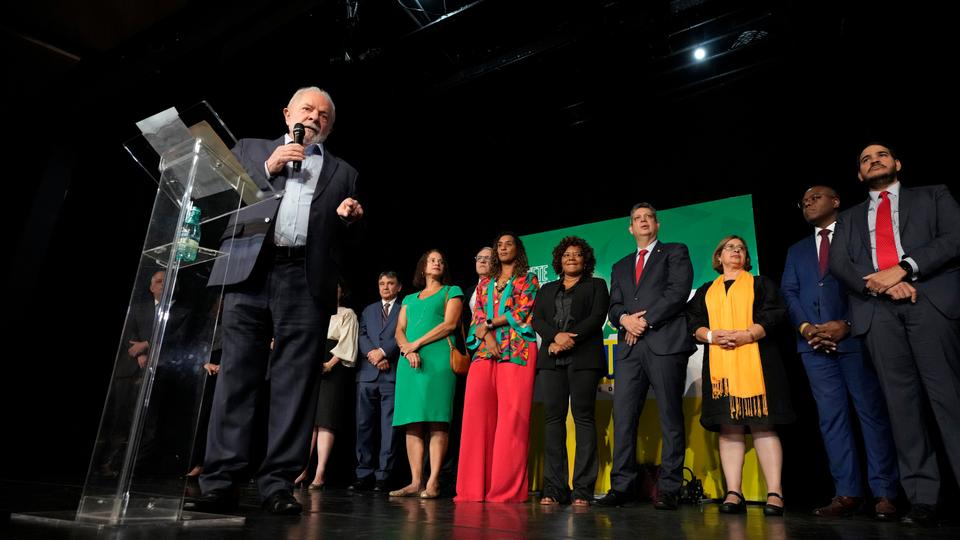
589, 258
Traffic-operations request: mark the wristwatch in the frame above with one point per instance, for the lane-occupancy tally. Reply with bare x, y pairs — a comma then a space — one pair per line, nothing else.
907, 268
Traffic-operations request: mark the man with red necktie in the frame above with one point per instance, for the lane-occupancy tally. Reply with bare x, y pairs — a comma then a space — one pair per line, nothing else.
649, 289
898, 253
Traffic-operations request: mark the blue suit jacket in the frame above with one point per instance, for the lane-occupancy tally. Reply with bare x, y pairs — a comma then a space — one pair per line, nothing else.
375, 335
248, 228
810, 299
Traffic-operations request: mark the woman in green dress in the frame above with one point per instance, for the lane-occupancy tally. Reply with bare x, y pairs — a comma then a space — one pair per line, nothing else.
425, 382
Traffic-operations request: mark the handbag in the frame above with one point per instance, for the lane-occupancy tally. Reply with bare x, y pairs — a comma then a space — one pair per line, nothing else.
459, 362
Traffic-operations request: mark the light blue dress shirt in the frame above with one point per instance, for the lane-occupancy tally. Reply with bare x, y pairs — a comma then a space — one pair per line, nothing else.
294, 213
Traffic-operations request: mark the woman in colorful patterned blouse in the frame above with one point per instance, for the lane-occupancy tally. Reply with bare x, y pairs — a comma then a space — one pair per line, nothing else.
496, 409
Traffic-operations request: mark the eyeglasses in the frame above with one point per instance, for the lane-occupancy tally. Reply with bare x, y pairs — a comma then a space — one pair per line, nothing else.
482, 258
732, 247
813, 198
573, 255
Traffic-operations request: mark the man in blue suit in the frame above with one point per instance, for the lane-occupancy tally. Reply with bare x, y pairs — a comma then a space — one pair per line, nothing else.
376, 378
836, 367
280, 284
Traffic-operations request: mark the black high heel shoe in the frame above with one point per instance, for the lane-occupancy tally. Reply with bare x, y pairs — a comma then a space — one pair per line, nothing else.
772, 509
734, 508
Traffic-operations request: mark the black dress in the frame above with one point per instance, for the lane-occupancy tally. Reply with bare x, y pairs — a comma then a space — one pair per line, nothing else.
769, 312
333, 391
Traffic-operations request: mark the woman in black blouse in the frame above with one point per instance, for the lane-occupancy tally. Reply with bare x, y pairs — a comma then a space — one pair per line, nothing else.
569, 317
737, 316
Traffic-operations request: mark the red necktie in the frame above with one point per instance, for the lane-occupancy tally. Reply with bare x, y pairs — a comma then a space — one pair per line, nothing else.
643, 253
886, 247
824, 251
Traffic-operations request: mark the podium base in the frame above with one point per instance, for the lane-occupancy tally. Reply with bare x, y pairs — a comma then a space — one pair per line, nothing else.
68, 519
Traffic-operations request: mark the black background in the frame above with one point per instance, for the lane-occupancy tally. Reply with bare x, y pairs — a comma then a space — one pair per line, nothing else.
522, 116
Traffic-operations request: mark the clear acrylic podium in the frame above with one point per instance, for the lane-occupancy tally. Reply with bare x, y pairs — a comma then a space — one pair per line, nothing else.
149, 426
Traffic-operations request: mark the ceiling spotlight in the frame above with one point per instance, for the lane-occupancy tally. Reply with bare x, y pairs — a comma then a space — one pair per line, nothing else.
700, 53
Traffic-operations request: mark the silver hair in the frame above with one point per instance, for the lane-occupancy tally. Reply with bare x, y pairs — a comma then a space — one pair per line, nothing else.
306, 89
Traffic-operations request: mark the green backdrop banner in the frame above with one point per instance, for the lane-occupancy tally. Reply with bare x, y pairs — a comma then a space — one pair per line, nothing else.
700, 227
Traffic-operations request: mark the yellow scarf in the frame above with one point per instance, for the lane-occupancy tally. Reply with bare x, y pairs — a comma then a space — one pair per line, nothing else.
736, 373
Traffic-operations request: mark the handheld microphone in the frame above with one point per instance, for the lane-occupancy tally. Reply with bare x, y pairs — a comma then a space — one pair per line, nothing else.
298, 132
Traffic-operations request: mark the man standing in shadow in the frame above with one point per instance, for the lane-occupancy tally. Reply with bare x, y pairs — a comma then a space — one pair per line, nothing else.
376, 381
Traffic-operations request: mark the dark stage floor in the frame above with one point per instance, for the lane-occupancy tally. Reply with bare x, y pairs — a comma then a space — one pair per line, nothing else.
343, 515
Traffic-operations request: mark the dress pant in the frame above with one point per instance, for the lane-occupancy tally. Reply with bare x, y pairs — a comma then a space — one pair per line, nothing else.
275, 303
496, 431
375, 414
562, 388
832, 378
916, 351
633, 377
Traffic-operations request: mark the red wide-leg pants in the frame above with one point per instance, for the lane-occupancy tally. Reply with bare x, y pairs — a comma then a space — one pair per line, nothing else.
496, 431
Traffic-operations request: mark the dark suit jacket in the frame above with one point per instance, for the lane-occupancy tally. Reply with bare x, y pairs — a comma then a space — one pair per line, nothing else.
929, 234
663, 291
375, 335
588, 307
140, 328
810, 299
254, 224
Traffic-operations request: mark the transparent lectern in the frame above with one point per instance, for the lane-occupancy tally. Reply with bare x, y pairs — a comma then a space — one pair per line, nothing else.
149, 425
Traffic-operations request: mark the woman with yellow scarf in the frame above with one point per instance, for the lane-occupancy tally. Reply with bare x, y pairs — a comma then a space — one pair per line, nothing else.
744, 382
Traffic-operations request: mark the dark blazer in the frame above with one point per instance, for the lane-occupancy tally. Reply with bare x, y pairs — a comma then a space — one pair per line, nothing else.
588, 307
770, 313
140, 328
254, 224
810, 299
663, 291
929, 234
375, 335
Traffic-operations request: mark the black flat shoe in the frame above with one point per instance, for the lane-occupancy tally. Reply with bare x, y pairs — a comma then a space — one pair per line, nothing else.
362, 484
921, 515
734, 508
282, 503
615, 498
666, 501
772, 509
213, 502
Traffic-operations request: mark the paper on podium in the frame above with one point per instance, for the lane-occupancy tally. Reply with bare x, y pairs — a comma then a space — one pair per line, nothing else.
248, 189
165, 130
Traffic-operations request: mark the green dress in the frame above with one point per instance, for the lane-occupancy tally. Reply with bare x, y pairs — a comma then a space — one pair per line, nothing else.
426, 394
